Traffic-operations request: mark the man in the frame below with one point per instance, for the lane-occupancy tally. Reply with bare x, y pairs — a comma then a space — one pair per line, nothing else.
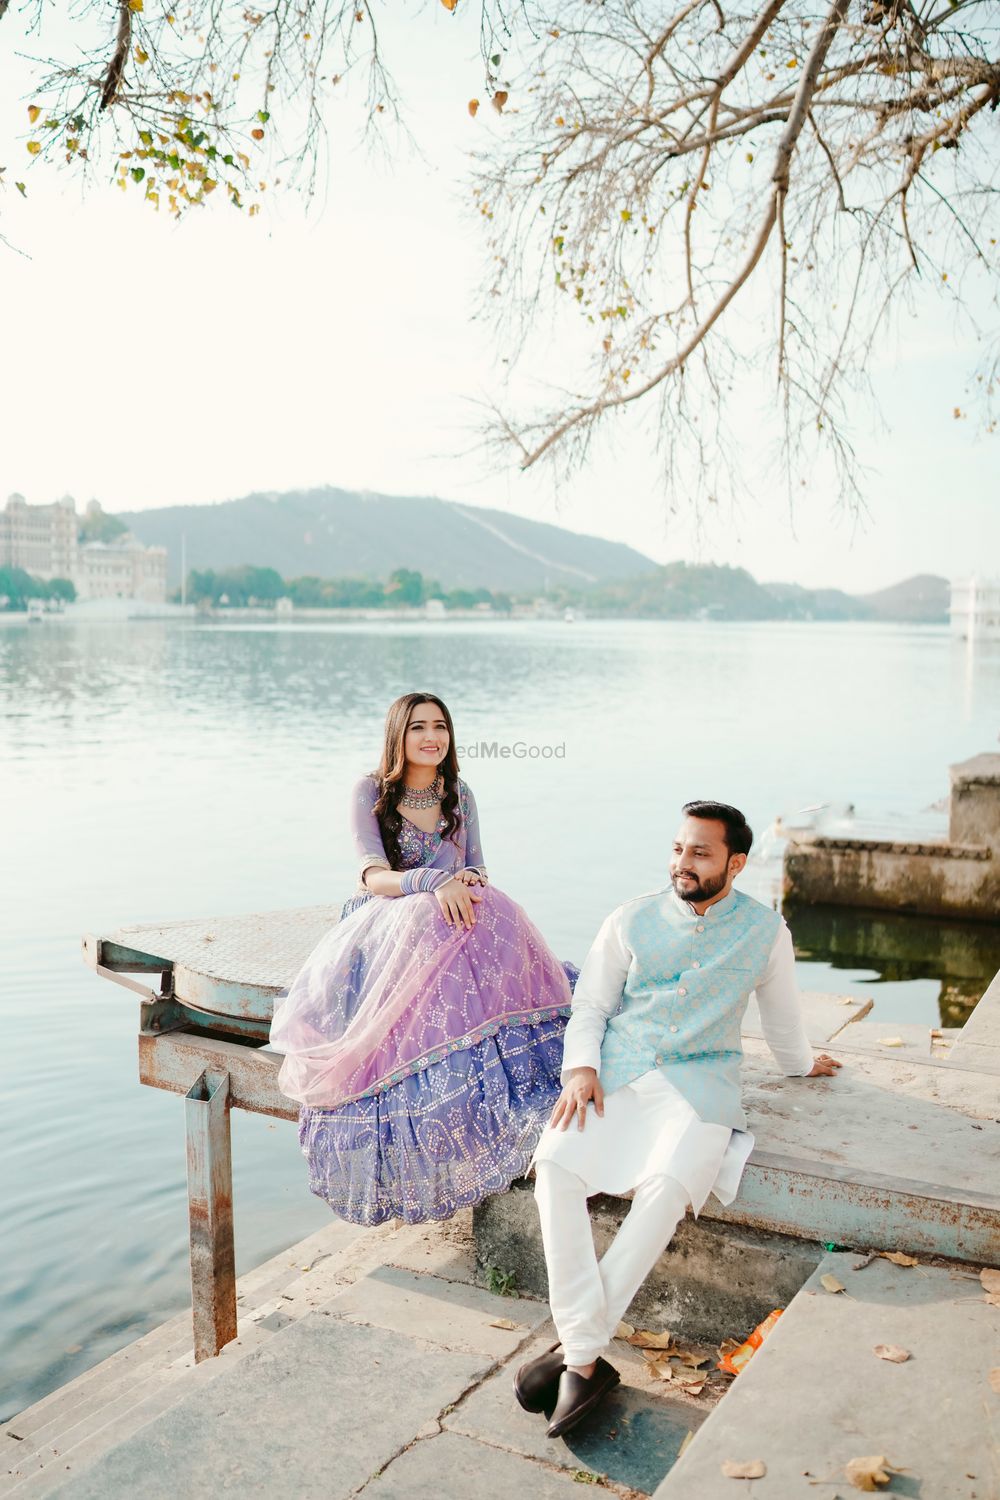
651, 1090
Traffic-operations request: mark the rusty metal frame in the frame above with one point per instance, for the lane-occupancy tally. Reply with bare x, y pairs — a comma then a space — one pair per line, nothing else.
210, 1212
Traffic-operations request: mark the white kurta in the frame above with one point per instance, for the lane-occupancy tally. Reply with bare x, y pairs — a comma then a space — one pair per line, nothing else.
648, 1128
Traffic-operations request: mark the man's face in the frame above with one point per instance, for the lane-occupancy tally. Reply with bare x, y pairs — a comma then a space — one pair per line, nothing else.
701, 866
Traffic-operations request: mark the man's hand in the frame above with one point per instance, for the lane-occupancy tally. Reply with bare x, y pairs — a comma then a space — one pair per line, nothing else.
583, 1085
825, 1066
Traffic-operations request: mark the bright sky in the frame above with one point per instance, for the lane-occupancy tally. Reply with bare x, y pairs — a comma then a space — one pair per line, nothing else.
149, 363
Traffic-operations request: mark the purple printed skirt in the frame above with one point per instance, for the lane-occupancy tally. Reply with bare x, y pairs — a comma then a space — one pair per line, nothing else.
426, 1060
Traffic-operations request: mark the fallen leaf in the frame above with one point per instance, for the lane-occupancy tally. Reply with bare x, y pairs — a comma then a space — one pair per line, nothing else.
892, 1352
645, 1338
750, 1468
990, 1279
473, 107
689, 1438
624, 1331
847, 1000
993, 1379
993, 1298
859, 1265
869, 1473
891, 1041
898, 1258
499, 98
692, 1357
504, 1323
831, 1283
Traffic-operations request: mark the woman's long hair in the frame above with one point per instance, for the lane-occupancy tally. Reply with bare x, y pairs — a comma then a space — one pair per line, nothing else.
393, 764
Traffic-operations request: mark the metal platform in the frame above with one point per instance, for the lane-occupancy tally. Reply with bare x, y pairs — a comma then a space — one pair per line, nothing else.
896, 1149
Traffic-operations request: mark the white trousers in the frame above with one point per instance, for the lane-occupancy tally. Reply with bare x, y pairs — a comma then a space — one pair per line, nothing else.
588, 1298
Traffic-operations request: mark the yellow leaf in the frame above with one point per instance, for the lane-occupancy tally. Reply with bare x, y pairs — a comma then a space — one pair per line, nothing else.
626, 215
34, 110
869, 1473
449, 4
890, 1041
135, 5
645, 1338
831, 1284
898, 1258
499, 100
140, 56
748, 1468
504, 1323
473, 107
892, 1352
793, 64
34, 147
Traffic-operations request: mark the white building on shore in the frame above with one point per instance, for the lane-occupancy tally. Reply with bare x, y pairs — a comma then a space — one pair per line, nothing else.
44, 541
975, 609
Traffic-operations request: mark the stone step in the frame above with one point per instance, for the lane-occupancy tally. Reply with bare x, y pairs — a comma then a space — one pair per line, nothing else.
815, 1396
137, 1383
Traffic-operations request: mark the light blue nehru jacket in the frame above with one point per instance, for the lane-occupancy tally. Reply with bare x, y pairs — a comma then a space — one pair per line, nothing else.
685, 994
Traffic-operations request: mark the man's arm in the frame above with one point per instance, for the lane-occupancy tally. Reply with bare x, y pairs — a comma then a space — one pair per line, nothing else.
597, 996
781, 1014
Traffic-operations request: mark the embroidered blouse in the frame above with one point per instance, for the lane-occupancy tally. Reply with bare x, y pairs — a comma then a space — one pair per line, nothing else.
463, 851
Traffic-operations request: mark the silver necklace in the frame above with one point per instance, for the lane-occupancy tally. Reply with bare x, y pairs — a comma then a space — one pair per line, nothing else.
421, 798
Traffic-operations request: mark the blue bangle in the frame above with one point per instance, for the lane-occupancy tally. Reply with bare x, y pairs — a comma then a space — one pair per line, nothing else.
424, 878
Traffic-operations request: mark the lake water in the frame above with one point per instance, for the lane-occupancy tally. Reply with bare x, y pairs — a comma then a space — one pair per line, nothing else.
153, 771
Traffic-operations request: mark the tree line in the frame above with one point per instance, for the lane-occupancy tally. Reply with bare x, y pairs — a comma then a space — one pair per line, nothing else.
406, 588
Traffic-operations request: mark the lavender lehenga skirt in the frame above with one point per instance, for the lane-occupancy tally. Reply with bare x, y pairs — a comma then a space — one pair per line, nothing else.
426, 1058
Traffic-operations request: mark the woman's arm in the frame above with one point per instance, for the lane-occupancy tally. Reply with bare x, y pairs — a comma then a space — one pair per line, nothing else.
474, 864
374, 869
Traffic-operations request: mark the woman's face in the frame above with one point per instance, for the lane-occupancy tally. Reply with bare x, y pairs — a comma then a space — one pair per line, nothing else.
426, 741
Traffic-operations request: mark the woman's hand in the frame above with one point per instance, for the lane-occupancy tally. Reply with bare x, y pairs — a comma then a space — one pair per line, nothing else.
458, 903
582, 1085
470, 877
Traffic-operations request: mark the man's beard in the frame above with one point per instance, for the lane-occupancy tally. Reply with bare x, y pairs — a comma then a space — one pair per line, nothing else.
705, 889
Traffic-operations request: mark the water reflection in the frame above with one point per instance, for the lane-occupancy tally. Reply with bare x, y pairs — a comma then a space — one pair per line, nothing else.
961, 957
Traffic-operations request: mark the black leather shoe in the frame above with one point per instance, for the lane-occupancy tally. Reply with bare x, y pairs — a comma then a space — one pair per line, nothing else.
579, 1394
536, 1383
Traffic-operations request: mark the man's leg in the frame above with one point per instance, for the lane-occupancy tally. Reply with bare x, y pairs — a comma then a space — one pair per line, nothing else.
576, 1291
658, 1206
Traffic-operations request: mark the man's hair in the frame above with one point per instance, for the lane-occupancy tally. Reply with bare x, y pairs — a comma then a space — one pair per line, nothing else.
739, 834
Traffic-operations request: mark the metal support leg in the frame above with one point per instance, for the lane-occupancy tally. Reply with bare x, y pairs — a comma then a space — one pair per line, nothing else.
210, 1208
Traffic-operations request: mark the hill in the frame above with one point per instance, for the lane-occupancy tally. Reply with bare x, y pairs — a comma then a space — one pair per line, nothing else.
331, 533
923, 599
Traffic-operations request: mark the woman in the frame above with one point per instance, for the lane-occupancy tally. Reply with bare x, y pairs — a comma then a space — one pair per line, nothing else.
423, 1037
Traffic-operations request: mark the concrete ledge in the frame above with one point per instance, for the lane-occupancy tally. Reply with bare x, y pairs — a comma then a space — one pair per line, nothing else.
815, 1395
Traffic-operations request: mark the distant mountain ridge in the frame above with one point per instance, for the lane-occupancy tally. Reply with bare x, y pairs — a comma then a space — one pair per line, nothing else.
332, 533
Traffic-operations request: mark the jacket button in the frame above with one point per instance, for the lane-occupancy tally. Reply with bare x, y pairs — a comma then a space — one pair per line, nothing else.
658, 1060
700, 927
673, 1028
682, 991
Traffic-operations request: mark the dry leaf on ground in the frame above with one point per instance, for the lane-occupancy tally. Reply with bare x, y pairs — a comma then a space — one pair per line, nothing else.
645, 1338
869, 1473
689, 1438
898, 1258
891, 1041
750, 1468
624, 1331
990, 1279
691, 1356
892, 1352
505, 1323
831, 1284
994, 1379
